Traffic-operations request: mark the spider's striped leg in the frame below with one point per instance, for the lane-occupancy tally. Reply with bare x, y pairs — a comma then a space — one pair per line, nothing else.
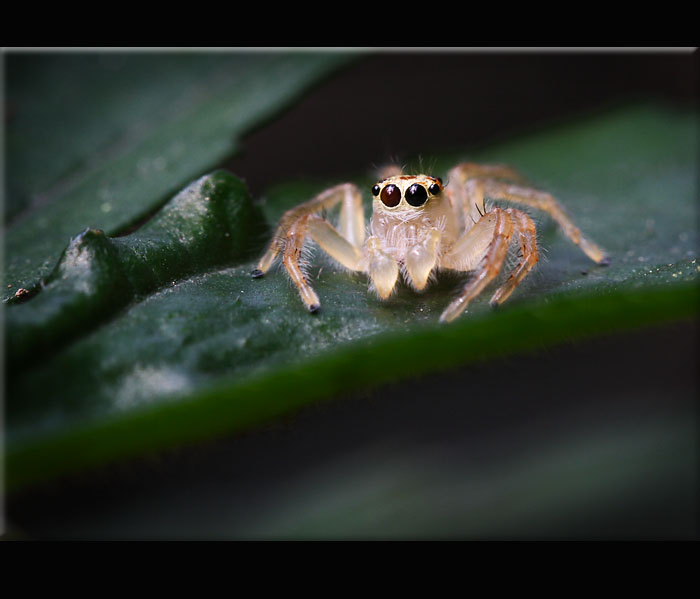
544, 201
471, 170
352, 222
500, 182
527, 235
466, 188
343, 244
497, 227
292, 251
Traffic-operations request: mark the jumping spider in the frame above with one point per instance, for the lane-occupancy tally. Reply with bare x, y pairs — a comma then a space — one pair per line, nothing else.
420, 226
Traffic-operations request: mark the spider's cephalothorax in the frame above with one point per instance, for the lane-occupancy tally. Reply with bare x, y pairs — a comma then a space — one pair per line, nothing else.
420, 226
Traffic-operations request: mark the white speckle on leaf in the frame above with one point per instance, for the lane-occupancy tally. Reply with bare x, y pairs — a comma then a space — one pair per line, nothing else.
145, 384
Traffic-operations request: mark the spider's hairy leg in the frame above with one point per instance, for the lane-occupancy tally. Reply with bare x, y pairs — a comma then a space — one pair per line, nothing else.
268, 258
383, 269
527, 235
292, 251
352, 225
470, 170
466, 189
492, 263
545, 202
421, 259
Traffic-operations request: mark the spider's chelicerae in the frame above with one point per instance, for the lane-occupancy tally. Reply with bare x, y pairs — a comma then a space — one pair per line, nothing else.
420, 226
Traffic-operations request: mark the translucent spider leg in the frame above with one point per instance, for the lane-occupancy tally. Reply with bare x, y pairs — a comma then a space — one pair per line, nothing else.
352, 224
500, 225
527, 235
334, 243
466, 190
343, 245
545, 202
503, 183
471, 170
292, 251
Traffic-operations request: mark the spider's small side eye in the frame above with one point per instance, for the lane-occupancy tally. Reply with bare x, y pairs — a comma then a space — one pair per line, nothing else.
434, 189
375, 190
416, 195
391, 196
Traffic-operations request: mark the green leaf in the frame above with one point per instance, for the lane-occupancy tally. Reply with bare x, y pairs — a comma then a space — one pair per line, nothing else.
171, 347
102, 140
210, 223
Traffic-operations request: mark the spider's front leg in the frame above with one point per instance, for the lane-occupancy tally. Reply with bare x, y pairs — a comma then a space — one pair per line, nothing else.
500, 182
482, 249
344, 245
292, 251
527, 234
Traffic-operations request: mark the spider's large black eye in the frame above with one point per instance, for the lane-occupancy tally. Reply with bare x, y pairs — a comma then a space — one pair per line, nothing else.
375, 190
391, 196
416, 195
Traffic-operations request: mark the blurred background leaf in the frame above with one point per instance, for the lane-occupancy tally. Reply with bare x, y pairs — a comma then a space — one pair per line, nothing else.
104, 139
218, 352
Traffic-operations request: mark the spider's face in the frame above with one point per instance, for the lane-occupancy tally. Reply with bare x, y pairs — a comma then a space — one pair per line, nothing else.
406, 193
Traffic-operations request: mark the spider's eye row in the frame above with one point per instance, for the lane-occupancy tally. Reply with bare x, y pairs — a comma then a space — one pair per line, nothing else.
375, 190
391, 196
416, 195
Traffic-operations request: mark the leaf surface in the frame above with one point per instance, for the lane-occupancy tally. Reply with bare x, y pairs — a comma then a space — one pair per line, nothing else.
215, 351
103, 140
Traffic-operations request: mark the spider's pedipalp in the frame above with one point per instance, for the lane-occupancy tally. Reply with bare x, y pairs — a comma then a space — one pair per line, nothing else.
382, 268
421, 259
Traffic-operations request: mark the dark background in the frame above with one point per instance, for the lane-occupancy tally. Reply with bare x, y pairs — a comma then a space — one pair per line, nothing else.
409, 104
399, 106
